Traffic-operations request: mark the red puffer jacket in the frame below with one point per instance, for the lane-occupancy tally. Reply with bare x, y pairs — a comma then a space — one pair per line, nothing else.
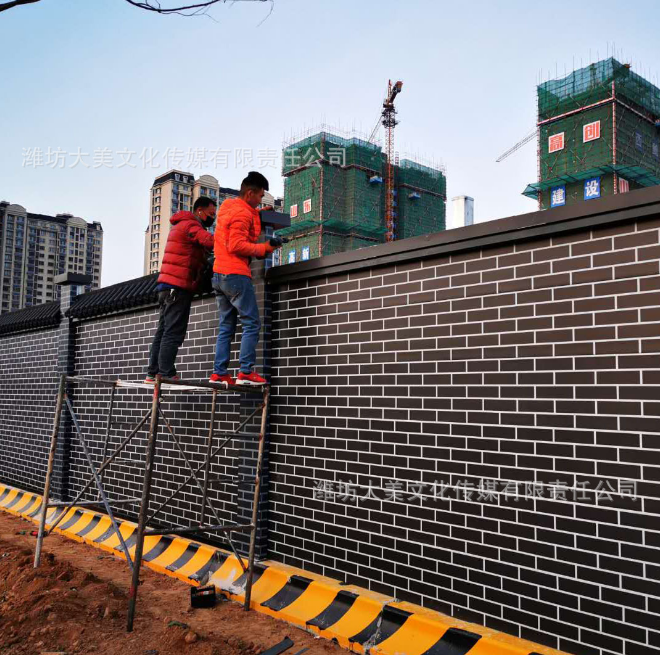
236, 232
185, 252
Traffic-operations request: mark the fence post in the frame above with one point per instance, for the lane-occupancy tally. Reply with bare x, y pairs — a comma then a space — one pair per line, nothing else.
70, 286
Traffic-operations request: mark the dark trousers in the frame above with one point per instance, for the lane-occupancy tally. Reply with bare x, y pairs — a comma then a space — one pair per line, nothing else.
172, 325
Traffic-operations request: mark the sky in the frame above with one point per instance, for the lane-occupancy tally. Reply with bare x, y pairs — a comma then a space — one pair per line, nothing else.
120, 95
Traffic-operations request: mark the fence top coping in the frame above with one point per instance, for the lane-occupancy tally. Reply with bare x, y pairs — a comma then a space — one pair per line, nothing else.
31, 318
613, 209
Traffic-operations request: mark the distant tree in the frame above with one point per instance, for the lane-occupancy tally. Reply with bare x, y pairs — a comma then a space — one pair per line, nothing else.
194, 9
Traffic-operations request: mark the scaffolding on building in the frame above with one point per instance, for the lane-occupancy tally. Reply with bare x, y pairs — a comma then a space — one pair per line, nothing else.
335, 193
601, 121
199, 476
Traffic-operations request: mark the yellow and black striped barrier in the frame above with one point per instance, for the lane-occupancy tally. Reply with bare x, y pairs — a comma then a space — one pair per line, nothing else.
358, 619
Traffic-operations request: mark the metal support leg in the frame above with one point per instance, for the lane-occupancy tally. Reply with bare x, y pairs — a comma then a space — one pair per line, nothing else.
207, 467
144, 504
105, 464
255, 504
97, 479
49, 470
107, 429
193, 476
185, 458
199, 468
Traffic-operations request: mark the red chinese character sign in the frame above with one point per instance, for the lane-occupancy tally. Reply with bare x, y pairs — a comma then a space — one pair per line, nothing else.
556, 142
624, 185
293, 211
591, 131
307, 206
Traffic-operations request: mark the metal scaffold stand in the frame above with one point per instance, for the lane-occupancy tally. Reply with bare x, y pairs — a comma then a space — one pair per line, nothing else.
198, 475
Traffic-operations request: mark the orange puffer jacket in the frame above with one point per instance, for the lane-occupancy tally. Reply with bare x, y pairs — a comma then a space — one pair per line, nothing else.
237, 229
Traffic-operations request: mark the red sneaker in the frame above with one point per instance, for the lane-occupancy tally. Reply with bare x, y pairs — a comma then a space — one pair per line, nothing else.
252, 379
222, 379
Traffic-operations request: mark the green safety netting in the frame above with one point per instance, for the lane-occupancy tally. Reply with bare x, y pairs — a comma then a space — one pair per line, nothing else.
593, 83
631, 173
338, 184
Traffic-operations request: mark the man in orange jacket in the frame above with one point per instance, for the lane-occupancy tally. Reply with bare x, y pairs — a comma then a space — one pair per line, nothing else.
237, 230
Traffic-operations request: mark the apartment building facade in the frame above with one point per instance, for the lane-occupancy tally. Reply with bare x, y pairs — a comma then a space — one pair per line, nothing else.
37, 247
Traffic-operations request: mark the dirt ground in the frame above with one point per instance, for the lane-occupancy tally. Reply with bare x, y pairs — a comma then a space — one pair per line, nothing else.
76, 603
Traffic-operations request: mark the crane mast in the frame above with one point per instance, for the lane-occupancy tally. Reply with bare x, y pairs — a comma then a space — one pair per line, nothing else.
389, 122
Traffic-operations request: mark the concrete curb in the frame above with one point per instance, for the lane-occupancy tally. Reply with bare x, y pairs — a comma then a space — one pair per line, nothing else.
355, 618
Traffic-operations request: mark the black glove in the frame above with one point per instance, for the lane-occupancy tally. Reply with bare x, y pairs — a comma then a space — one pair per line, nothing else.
276, 242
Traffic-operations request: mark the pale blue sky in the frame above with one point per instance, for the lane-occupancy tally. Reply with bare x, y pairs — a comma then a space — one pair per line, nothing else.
94, 74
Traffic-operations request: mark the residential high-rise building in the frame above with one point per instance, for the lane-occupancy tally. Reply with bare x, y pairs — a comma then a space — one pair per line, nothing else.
334, 192
597, 135
172, 192
176, 191
35, 248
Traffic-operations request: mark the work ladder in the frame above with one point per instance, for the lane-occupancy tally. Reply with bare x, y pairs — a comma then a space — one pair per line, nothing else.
144, 518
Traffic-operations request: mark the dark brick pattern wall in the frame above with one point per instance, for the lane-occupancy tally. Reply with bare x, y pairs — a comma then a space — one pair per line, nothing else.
117, 347
28, 386
480, 433
475, 432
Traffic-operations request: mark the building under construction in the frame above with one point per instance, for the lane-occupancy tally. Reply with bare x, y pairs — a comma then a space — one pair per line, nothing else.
334, 191
598, 135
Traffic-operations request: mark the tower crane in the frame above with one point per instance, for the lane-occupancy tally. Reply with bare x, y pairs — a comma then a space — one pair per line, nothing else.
388, 120
518, 145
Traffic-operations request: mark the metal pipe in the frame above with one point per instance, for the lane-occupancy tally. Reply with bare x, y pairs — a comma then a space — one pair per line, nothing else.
93, 503
615, 177
255, 503
595, 104
121, 447
205, 528
634, 111
185, 457
144, 505
214, 386
99, 484
49, 469
81, 378
187, 481
108, 426
552, 119
207, 467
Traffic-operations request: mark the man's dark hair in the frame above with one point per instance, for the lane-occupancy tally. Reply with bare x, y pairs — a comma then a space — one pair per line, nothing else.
203, 202
254, 182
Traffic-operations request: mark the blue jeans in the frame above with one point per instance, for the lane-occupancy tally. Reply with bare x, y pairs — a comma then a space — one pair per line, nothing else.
236, 299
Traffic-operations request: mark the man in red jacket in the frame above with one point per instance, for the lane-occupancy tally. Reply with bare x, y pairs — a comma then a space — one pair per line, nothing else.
236, 236
186, 251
